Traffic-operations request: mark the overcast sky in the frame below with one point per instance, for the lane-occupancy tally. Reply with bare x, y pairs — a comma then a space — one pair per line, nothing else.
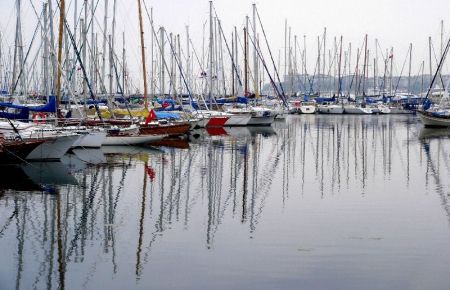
395, 23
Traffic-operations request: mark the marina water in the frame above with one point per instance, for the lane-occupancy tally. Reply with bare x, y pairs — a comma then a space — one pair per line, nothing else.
313, 202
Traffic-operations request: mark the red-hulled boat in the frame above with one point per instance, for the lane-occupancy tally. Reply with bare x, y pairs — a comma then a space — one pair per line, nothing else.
170, 129
217, 121
15, 151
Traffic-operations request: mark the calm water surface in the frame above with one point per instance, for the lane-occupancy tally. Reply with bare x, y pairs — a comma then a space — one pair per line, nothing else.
315, 202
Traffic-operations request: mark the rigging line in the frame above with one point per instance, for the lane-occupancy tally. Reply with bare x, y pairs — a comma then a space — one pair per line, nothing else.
444, 55
401, 72
228, 48
304, 67
165, 63
436, 59
356, 68
97, 109
271, 56
26, 58
281, 96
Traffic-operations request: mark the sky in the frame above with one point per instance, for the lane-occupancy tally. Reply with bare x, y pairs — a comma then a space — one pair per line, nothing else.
395, 23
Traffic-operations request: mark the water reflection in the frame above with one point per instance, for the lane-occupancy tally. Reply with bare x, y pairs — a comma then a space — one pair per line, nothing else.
125, 217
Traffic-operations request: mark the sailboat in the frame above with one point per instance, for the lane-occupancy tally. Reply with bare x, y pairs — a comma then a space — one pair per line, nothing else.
437, 115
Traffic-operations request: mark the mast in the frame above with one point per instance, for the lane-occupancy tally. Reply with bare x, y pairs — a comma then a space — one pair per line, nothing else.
318, 64
52, 46
113, 41
364, 69
304, 61
83, 53
105, 31
46, 52
233, 82
152, 51
141, 28
430, 62
255, 56
392, 66
93, 49
324, 53
162, 71
409, 72
124, 63
211, 52
62, 8
339, 69
74, 60
442, 38
236, 59
285, 48
188, 58
245, 57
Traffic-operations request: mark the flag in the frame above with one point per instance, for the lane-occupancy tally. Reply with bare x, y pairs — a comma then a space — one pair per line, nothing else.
165, 104
150, 117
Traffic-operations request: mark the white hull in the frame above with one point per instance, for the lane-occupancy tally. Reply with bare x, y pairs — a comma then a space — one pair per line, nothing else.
90, 140
261, 121
238, 120
131, 140
354, 110
432, 121
307, 109
53, 148
336, 109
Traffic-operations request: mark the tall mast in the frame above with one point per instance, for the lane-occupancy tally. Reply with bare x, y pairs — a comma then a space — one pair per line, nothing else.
105, 31
392, 67
162, 73
93, 50
211, 52
141, 28
62, 7
430, 62
255, 56
324, 52
364, 69
375, 67
233, 93
188, 58
236, 54
409, 72
152, 51
74, 60
442, 38
52, 46
245, 57
83, 54
285, 48
46, 52
318, 64
123, 64
339, 69
113, 41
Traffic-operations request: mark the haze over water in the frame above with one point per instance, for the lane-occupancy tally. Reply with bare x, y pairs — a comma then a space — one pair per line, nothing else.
316, 202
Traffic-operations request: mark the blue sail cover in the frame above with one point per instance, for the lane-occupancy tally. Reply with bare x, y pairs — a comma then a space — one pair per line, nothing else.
167, 115
322, 100
22, 115
50, 107
241, 100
